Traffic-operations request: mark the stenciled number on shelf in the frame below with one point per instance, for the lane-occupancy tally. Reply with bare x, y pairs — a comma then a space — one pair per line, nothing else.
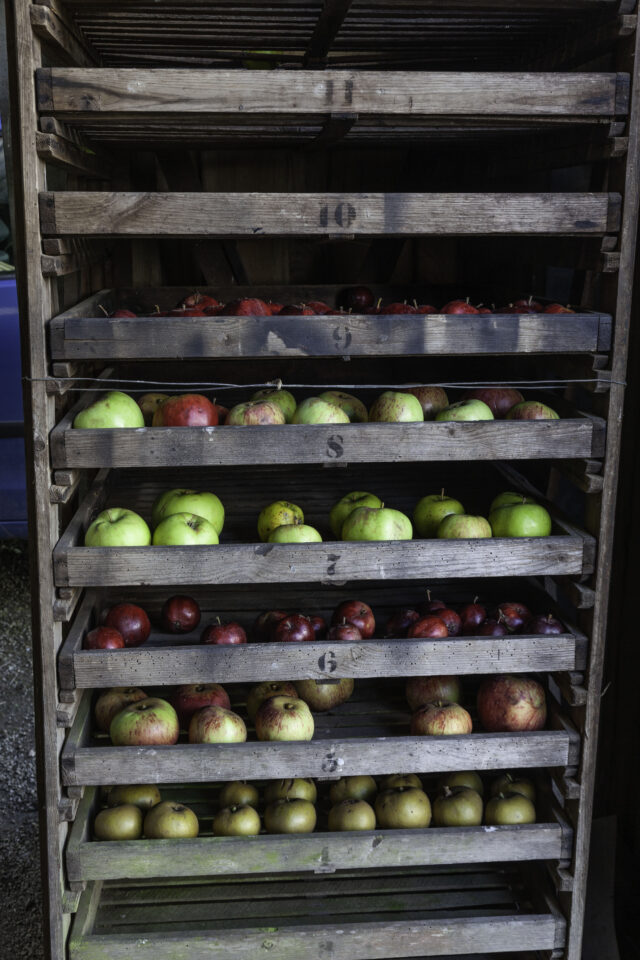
331, 566
342, 338
328, 662
344, 215
331, 762
335, 450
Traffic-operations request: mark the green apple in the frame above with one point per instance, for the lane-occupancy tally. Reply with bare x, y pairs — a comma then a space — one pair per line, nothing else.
143, 795
507, 784
394, 406
123, 822
282, 398
316, 410
352, 814
354, 408
202, 504
393, 780
114, 409
508, 498
149, 403
169, 820
302, 788
520, 520
238, 793
255, 413
531, 410
290, 815
512, 809
463, 526
294, 533
145, 723
341, 510
184, 529
357, 787
237, 820
431, 510
377, 523
118, 527
462, 778
457, 807
403, 808
466, 410
277, 515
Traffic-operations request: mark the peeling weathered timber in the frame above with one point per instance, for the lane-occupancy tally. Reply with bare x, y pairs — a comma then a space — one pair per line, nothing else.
78, 213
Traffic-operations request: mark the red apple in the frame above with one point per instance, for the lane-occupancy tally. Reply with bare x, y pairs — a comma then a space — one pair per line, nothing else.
529, 302
421, 690
121, 312
131, 621
428, 627
319, 307
357, 613
222, 412
191, 697
202, 300
471, 616
542, 625
510, 703
250, 307
103, 638
274, 308
344, 633
431, 606
180, 614
187, 312
186, 410
425, 308
223, 633
319, 625
400, 621
356, 299
296, 310
393, 308
440, 718
513, 615
484, 310
459, 306
295, 628
557, 308
264, 623
451, 621
491, 628
498, 399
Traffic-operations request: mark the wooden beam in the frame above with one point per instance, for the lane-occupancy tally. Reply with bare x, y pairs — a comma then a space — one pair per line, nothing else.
65, 43
332, 16
62, 153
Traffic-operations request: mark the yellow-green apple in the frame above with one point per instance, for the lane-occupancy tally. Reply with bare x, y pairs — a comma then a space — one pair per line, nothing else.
430, 511
357, 613
421, 690
191, 697
170, 820
507, 784
507, 499
358, 787
377, 523
432, 400
256, 413
282, 398
354, 408
520, 520
238, 793
499, 399
143, 795
511, 703
463, 526
276, 515
393, 780
405, 808
466, 410
341, 510
123, 822
301, 788
457, 807
237, 820
532, 410
440, 718
352, 814
290, 816
504, 811
113, 701
284, 718
268, 688
217, 725
317, 410
200, 503
323, 695
395, 406
118, 527
184, 529
462, 778
295, 533
147, 722
149, 403
113, 409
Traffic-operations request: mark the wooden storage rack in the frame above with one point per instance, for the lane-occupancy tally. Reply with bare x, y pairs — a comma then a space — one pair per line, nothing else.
115, 105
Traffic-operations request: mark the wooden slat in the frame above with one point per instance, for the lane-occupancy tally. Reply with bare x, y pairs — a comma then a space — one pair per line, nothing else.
65, 42
80, 213
63, 153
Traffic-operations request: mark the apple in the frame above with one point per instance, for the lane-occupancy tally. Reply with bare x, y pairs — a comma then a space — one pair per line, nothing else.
432, 399
123, 822
406, 808
276, 515
263, 691
319, 625
323, 695
118, 527
357, 613
316, 410
143, 795
169, 821
202, 504
295, 628
121, 312
131, 622
465, 410
236, 820
557, 308
180, 614
217, 725
256, 413
542, 625
428, 627
357, 299
301, 788
513, 616
529, 302
425, 308
282, 398
113, 409
400, 621
499, 399
491, 628
295, 533
354, 408
520, 520
440, 718
184, 529
150, 722
395, 406
377, 523
297, 310
393, 780
344, 633
149, 403
421, 690
359, 787
507, 499
352, 814
238, 793
320, 308
290, 816
284, 718
458, 306
451, 620
463, 526
112, 702
457, 807
511, 703
506, 811
186, 410
248, 307
472, 616
532, 410
103, 638
264, 623
506, 784
350, 502
202, 300
431, 510
219, 634
462, 778
191, 697
393, 308
223, 412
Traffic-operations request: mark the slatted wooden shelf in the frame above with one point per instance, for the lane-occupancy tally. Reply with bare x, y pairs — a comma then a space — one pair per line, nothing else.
318, 852
166, 659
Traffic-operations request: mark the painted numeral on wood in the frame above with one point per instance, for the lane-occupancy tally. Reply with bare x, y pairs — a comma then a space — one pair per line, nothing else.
331, 566
328, 662
342, 338
343, 214
332, 763
335, 448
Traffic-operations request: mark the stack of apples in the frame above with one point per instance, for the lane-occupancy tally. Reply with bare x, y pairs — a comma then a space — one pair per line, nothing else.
436, 619
138, 809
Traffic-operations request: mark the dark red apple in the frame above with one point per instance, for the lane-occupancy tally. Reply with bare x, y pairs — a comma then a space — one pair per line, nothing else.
187, 312
319, 625
482, 309
529, 302
223, 412
264, 623
191, 697
557, 308
103, 638
180, 614
121, 312
491, 628
223, 633
400, 621
357, 613
428, 627
186, 410
248, 307
295, 628
202, 300
425, 308
131, 622
274, 308
498, 399
513, 615
459, 306
451, 620
421, 690
544, 625
344, 633
356, 299
296, 310
471, 616
319, 307
431, 606
393, 308
509, 703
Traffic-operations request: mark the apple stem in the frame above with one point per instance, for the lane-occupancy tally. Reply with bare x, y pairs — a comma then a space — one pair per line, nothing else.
219, 621
475, 599
278, 384
106, 312
446, 791
442, 494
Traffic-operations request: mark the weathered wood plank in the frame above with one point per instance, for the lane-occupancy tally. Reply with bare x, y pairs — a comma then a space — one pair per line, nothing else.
63, 153
81, 213
65, 42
